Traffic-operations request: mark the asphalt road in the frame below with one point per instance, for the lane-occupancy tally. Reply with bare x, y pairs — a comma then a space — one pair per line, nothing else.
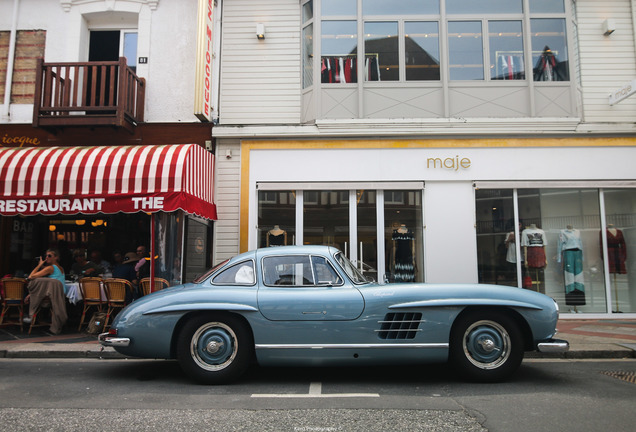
140, 395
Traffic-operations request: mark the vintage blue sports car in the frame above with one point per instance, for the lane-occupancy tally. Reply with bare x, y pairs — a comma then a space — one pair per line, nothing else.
308, 305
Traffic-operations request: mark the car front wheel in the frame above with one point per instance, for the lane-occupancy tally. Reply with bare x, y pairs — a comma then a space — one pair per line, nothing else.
486, 347
214, 350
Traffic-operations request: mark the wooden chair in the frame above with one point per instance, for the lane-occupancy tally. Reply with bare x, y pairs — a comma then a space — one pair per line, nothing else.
159, 285
116, 293
13, 297
45, 304
91, 289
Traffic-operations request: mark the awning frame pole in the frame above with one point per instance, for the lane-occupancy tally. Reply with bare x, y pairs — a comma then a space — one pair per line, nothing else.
152, 252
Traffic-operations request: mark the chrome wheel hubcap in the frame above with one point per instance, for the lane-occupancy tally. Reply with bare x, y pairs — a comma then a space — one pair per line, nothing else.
214, 346
486, 344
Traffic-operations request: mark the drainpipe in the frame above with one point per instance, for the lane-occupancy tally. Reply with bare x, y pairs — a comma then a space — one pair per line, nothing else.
10, 61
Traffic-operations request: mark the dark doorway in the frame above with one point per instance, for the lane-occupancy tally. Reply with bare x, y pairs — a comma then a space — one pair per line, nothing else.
101, 92
104, 46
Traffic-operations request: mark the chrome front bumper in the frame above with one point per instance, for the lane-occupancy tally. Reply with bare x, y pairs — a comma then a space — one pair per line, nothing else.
113, 341
554, 346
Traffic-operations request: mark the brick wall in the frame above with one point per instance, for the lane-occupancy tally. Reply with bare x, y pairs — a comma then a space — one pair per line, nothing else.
29, 46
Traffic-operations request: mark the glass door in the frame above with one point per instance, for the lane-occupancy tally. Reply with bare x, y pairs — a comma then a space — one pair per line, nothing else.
326, 219
367, 241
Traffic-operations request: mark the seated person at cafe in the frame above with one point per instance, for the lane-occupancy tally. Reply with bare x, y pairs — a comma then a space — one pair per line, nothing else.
84, 268
47, 280
96, 257
126, 270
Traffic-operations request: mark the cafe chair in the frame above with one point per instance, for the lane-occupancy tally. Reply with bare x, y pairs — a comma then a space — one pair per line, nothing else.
159, 285
45, 304
117, 290
13, 297
91, 289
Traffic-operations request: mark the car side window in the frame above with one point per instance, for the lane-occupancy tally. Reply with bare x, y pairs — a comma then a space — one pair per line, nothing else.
239, 274
294, 270
325, 273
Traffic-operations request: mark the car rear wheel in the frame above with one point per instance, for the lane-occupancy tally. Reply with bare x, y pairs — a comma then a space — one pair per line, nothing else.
214, 350
486, 346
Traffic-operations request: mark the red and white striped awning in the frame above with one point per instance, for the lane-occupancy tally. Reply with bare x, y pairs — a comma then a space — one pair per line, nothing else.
89, 180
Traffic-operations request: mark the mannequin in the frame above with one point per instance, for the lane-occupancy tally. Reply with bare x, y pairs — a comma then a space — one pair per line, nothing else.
276, 237
617, 255
571, 255
534, 241
403, 254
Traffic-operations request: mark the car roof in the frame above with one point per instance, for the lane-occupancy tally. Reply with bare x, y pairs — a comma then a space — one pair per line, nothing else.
286, 250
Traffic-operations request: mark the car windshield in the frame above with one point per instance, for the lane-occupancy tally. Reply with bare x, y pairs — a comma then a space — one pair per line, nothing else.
207, 274
353, 273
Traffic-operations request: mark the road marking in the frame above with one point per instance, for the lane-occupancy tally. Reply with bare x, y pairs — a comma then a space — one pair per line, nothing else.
315, 391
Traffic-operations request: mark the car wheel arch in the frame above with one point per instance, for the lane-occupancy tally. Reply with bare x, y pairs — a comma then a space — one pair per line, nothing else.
212, 315
519, 320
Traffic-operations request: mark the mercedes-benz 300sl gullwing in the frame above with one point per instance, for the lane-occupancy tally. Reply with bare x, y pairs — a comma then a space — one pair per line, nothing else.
309, 306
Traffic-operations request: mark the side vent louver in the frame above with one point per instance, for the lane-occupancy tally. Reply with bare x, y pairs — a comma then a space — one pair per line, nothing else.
400, 325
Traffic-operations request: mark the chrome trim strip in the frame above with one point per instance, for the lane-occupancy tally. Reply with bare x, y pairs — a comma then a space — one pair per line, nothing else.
105, 340
399, 330
351, 346
554, 346
401, 321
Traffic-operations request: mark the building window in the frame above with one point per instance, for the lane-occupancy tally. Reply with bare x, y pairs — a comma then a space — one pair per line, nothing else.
505, 39
465, 50
421, 47
549, 50
308, 43
401, 41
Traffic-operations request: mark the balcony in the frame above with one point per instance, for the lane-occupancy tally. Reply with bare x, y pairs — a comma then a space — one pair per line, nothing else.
88, 94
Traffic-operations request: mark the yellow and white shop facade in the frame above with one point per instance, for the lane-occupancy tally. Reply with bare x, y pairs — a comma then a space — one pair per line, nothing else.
555, 215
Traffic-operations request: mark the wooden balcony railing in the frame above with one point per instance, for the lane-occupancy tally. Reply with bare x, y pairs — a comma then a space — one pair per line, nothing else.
88, 94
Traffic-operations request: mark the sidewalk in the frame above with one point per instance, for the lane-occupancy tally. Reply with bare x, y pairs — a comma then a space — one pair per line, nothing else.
588, 339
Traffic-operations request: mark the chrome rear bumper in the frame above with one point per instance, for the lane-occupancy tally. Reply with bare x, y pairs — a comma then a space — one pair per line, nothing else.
113, 341
554, 346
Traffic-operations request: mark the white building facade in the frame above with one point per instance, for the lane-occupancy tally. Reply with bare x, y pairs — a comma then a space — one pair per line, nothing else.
436, 142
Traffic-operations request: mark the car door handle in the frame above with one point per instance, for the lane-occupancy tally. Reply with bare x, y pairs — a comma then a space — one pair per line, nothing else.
315, 313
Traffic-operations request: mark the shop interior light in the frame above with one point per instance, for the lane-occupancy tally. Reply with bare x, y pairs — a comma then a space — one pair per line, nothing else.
97, 222
52, 227
80, 222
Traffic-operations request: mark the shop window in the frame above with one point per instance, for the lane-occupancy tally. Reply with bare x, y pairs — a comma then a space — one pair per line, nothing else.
403, 237
308, 44
496, 245
381, 47
549, 50
465, 50
339, 52
483, 6
546, 6
557, 245
422, 59
507, 61
327, 223
339, 7
403, 7
276, 218
620, 239
401, 41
